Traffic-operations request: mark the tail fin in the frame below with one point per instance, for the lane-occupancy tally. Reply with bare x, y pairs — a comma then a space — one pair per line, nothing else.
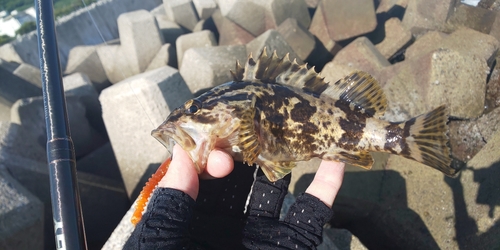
427, 140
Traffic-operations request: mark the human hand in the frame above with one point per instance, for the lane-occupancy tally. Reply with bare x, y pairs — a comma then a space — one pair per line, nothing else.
216, 219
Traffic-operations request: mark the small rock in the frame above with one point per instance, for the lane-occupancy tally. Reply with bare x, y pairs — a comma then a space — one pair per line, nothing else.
205, 8
166, 56
230, 33
258, 16
361, 54
182, 12
424, 15
29, 73
203, 38
396, 38
134, 107
298, 37
272, 40
21, 214
212, 65
492, 99
169, 30
348, 19
84, 59
319, 29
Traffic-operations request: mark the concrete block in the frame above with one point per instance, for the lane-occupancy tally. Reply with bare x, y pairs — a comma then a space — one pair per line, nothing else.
166, 56
29, 113
230, 32
333, 71
101, 162
205, 68
9, 54
103, 200
388, 5
258, 16
159, 10
203, 38
440, 77
361, 54
134, 107
205, 8
84, 59
182, 12
169, 29
122, 232
425, 15
115, 69
319, 29
465, 41
272, 40
396, 38
425, 43
348, 19
21, 214
140, 41
140, 38
472, 17
13, 88
29, 73
298, 37
207, 24
9, 66
79, 85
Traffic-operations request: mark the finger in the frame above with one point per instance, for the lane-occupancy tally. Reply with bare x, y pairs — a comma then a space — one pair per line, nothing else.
327, 181
181, 174
219, 165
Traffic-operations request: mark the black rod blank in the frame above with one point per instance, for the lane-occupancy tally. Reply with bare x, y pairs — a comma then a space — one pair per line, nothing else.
66, 206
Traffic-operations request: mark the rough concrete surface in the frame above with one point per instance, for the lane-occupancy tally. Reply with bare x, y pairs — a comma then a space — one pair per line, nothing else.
134, 107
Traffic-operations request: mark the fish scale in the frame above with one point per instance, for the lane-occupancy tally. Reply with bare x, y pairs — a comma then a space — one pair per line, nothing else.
276, 113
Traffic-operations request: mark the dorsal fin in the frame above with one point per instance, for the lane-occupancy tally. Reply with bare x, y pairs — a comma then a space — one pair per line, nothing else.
280, 70
359, 89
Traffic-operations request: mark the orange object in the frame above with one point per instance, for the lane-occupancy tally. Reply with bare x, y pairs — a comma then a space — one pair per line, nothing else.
147, 190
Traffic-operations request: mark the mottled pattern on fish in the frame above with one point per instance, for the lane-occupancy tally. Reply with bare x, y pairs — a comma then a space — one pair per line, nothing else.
276, 113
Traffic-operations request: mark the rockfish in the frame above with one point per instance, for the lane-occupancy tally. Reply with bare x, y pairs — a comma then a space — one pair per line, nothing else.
276, 113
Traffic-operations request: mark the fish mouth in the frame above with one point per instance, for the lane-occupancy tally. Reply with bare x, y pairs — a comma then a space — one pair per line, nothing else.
170, 134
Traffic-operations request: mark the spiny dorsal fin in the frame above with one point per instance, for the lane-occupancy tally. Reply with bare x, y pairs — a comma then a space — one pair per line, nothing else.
280, 70
359, 89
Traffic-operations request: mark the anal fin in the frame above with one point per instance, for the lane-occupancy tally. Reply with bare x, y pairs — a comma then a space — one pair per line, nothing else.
360, 159
275, 170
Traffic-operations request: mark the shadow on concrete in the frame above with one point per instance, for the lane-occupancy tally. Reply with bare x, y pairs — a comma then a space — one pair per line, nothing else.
373, 206
466, 227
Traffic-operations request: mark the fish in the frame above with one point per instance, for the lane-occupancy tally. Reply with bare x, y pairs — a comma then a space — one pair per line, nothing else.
276, 113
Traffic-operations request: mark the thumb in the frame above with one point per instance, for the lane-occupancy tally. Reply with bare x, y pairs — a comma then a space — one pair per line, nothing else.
181, 174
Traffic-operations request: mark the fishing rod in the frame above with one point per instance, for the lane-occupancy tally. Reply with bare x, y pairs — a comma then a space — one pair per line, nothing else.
65, 195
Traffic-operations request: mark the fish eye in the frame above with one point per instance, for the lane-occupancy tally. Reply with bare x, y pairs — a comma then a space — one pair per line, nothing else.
192, 106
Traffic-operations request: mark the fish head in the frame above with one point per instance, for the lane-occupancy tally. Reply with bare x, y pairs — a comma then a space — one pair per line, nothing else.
200, 125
